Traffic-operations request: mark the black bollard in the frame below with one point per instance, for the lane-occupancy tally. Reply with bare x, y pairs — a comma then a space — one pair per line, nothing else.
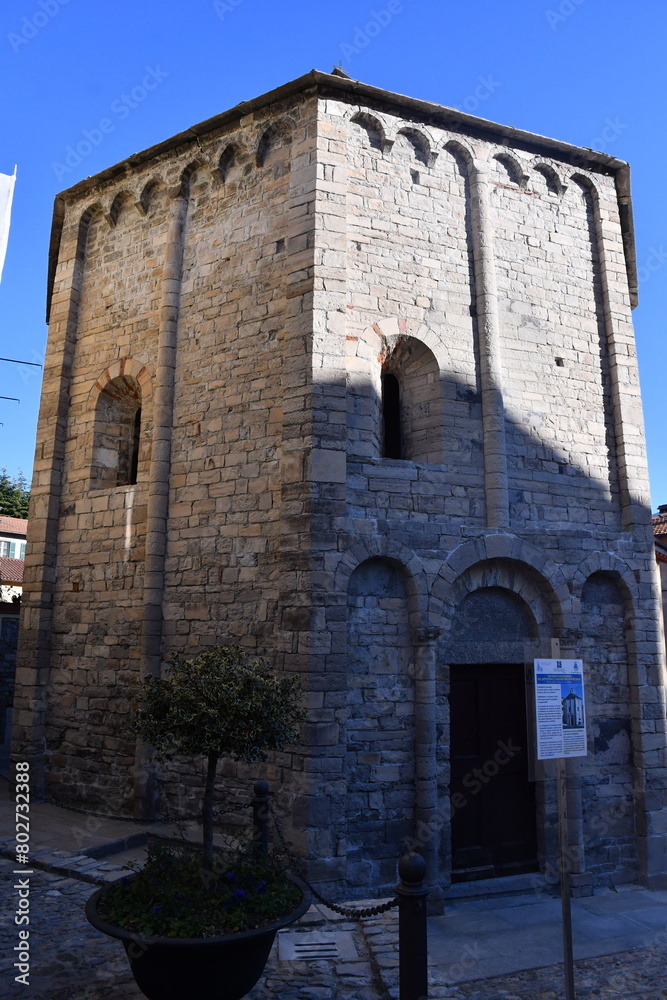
260, 817
412, 939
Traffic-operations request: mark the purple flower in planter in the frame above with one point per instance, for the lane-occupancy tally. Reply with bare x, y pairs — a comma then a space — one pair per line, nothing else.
239, 894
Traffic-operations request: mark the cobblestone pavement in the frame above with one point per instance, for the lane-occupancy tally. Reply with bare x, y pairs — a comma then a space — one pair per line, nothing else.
73, 961
70, 960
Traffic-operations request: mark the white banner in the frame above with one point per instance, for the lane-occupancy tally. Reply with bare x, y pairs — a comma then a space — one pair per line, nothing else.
6, 196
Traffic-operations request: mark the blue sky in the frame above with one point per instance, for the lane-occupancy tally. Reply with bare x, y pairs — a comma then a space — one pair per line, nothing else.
590, 72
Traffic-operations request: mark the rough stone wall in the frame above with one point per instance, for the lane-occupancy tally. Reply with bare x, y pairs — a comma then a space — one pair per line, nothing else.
509, 269
255, 285
553, 347
239, 360
607, 777
379, 732
97, 595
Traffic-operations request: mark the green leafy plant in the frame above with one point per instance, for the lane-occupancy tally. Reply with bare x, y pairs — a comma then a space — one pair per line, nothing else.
222, 703
173, 897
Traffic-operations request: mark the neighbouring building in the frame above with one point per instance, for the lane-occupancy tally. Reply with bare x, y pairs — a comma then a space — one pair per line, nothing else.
12, 553
350, 378
660, 537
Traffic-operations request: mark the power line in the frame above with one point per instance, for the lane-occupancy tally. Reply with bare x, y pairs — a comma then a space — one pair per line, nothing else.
15, 362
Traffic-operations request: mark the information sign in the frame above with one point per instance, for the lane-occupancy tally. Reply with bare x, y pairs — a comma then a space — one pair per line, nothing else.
560, 709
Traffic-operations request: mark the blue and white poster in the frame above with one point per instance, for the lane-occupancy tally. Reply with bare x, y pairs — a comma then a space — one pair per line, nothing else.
560, 709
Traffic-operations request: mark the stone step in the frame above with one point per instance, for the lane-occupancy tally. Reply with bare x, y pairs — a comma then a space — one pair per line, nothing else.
506, 885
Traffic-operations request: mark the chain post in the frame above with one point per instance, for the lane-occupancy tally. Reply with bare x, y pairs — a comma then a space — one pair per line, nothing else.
412, 930
260, 817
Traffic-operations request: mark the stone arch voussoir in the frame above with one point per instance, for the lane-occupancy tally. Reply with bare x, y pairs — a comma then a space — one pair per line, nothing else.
382, 548
124, 366
459, 149
550, 176
393, 327
382, 124
422, 143
513, 166
531, 567
606, 562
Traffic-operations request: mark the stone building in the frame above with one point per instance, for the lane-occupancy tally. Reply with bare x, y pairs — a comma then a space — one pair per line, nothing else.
12, 553
350, 377
660, 538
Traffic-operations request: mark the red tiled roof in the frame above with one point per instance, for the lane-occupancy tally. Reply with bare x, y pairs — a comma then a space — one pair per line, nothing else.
660, 524
11, 570
13, 525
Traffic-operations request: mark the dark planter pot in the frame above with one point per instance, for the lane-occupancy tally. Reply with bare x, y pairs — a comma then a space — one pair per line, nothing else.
217, 968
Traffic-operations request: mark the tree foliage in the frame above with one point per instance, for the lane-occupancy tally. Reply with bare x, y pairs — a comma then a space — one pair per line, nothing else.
14, 495
221, 702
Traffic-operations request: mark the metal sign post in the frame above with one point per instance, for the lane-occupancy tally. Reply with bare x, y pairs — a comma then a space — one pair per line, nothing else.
568, 957
561, 733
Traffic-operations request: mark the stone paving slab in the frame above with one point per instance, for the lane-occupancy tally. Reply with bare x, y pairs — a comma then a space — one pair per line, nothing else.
526, 933
628, 975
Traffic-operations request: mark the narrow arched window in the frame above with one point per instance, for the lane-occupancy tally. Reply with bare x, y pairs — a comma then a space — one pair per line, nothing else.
391, 417
136, 438
117, 434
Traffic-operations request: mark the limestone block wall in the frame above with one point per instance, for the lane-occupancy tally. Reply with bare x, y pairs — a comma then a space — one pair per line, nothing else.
250, 286
183, 283
506, 266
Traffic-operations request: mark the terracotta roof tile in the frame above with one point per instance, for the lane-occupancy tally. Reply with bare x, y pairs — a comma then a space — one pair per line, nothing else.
13, 525
11, 570
660, 523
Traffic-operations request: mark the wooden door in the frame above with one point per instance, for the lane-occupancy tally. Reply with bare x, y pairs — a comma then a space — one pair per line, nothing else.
493, 802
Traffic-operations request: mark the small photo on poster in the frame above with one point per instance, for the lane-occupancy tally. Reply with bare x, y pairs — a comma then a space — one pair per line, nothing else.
572, 694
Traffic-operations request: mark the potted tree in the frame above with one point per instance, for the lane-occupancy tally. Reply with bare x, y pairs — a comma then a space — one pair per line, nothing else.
196, 922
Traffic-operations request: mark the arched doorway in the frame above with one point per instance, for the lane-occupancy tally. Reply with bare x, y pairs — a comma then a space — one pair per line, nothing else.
493, 807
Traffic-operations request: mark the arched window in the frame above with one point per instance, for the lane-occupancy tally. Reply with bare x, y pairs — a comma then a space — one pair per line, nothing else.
391, 417
411, 404
134, 455
117, 434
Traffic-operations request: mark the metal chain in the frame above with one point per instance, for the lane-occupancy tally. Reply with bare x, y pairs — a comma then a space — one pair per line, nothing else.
358, 914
